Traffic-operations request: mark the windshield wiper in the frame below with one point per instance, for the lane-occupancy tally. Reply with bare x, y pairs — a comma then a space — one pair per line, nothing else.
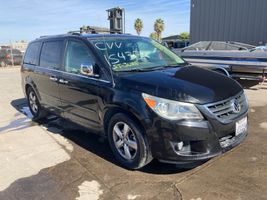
159, 67
153, 68
143, 69
149, 68
131, 70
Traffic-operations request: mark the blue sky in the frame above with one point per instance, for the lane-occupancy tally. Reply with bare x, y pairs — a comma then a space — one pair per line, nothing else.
28, 19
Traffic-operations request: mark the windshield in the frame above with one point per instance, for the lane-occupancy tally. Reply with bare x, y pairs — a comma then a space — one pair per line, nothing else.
135, 54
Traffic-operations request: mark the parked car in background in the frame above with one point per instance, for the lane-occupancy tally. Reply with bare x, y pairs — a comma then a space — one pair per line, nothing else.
10, 56
176, 44
145, 99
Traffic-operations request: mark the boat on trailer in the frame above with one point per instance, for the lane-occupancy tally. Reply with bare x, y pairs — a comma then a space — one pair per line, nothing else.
237, 60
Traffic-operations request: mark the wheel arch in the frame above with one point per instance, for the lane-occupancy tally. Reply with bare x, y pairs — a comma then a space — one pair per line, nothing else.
30, 84
111, 111
27, 86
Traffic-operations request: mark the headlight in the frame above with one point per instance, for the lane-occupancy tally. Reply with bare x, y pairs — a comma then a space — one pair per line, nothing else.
172, 110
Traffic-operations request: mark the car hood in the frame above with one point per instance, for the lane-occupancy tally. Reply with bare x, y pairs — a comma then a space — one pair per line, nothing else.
186, 84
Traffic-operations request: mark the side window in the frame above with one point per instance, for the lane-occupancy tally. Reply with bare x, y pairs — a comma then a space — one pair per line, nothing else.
31, 55
51, 54
77, 53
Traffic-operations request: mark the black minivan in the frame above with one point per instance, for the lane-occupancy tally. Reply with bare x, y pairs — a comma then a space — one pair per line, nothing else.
149, 102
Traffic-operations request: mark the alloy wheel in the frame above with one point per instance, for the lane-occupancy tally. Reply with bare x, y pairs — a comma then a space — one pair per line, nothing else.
33, 102
125, 140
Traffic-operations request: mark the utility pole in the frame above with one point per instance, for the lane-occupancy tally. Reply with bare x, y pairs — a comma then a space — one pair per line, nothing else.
11, 54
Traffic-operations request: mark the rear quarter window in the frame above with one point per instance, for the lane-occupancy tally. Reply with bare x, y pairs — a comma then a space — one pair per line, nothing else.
51, 54
31, 55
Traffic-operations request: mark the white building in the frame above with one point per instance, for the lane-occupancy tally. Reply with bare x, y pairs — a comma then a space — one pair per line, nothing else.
20, 45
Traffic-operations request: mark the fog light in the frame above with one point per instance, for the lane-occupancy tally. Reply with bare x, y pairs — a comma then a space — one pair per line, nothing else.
178, 146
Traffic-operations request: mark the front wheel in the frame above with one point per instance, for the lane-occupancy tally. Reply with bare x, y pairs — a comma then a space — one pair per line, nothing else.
128, 142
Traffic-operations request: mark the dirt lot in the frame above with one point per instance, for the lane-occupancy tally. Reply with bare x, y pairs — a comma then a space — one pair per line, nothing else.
51, 161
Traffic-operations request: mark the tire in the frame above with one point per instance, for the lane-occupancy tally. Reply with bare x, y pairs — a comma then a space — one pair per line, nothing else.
35, 107
3, 64
132, 150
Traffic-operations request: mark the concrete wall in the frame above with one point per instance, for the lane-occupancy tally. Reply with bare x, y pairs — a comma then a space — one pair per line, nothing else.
229, 20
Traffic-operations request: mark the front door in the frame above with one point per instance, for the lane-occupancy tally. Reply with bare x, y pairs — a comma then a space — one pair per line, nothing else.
78, 92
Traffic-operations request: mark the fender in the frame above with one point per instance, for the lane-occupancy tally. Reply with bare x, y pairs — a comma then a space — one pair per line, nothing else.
29, 82
131, 106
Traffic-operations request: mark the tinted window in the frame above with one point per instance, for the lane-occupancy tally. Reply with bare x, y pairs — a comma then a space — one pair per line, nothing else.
179, 45
31, 56
77, 53
51, 54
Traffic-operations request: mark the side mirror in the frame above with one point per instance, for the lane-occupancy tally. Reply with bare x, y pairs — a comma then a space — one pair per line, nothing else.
88, 69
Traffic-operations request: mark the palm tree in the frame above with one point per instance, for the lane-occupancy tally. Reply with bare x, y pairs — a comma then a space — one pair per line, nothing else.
184, 36
138, 25
159, 27
153, 36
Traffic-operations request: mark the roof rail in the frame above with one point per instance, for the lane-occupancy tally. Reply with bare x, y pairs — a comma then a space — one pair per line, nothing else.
87, 30
74, 33
95, 30
44, 36
70, 32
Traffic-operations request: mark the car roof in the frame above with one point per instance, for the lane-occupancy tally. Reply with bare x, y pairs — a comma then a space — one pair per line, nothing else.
89, 36
93, 36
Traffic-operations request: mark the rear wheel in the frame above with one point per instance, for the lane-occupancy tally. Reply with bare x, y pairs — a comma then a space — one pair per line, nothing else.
35, 107
128, 143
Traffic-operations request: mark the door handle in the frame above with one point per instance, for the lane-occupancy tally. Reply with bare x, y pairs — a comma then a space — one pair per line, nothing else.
63, 81
53, 78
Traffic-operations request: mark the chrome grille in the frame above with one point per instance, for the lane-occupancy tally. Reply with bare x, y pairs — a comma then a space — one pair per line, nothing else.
225, 110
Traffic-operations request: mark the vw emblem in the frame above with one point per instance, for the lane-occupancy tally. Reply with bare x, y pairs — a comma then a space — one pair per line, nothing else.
236, 107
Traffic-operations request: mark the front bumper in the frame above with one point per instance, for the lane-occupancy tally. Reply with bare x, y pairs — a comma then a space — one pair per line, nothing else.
202, 139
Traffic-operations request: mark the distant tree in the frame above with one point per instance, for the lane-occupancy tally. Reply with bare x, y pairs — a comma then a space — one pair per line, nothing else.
153, 36
184, 36
138, 26
159, 28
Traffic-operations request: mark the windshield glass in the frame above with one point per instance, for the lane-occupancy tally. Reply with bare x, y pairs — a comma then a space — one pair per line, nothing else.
135, 53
